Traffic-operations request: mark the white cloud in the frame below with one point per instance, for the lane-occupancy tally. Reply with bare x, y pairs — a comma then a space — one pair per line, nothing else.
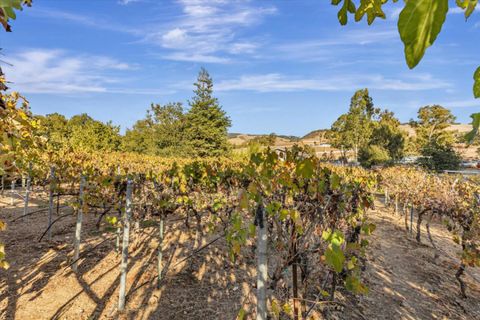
174, 38
192, 57
461, 103
126, 2
46, 71
330, 48
243, 47
97, 23
207, 30
274, 82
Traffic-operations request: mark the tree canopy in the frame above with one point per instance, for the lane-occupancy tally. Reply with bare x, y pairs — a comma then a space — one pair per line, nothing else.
419, 24
170, 131
81, 132
161, 133
372, 134
432, 124
207, 124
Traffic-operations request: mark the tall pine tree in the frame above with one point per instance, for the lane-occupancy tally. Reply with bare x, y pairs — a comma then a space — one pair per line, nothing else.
207, 123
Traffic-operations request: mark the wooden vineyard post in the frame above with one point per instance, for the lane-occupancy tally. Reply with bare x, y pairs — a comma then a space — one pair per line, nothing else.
117, 240
295, 281
78, 227
411, 218
50, 202
3, 184
126, 233
396, 203
12, 195
119, 231
262, 272
386, 197
27, 190
160, 253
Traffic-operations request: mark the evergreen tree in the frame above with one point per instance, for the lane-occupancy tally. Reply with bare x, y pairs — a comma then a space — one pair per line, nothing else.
206, 122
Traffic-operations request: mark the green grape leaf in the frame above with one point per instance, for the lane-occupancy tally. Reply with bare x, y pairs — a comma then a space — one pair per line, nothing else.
419, 24
369, 228
475, 126
241, 314
372, 8
334, 258
275, 308
354, 285
348, 6
467, 5
244, 204
305, 169
334, 181
10, 13
476, 84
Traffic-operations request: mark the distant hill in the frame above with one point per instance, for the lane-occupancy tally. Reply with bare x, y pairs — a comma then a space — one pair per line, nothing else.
319, 141
316, 134
238, 139
460, 127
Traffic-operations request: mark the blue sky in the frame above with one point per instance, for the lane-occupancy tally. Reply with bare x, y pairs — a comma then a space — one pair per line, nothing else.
278, 66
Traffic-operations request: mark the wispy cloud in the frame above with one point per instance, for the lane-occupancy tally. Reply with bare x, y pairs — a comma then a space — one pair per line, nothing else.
461, 103
43, 71
274, 82
331, 48
97, 23
193, 57
126, 2
207, 30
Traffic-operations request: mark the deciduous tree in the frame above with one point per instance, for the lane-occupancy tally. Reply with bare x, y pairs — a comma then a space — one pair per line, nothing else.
432, 124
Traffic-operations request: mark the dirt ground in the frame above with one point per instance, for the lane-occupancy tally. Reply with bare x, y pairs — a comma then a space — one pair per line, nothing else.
404, 279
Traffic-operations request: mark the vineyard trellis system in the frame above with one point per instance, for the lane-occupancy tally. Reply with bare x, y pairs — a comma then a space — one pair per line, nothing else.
310, 217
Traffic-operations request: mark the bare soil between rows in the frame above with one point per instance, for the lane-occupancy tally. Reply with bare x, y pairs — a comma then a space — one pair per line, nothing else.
404, 279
